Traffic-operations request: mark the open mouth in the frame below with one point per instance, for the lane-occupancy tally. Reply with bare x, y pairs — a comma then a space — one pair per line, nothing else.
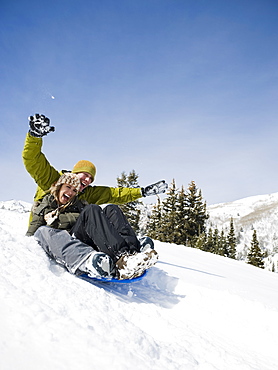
65, 197
83, 184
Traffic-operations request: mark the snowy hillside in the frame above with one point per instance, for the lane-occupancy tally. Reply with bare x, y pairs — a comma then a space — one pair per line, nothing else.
193, 311
257, 212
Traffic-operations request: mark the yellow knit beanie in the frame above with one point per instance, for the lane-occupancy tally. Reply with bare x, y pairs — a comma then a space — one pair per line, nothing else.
85, 166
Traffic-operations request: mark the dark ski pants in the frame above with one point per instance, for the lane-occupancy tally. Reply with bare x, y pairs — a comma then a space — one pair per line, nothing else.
106, 230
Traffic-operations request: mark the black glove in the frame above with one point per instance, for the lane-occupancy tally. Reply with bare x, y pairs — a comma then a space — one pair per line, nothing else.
39, 125
157, 188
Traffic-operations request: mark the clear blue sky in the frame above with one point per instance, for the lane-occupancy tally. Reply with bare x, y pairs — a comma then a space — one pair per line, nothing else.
174, 89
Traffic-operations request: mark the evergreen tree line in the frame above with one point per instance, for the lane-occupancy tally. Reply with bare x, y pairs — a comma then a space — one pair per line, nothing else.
227, 246
181, 218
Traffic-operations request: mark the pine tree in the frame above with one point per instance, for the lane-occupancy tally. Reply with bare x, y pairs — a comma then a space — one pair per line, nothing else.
209, 245
181, 217
196, 212
154, 222
231, 241
216, 239
255, 255
131, 210
198, 242
222, 246
168, 229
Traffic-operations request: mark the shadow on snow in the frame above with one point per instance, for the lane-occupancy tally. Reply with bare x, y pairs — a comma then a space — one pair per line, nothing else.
156, 287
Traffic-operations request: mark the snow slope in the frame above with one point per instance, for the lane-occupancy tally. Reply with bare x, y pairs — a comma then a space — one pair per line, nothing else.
193, 311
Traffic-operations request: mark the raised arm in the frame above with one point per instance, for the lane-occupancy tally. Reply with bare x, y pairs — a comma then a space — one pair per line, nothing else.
34, 160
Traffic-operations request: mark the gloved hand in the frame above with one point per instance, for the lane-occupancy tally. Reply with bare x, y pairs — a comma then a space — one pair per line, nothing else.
39, 125
157, 188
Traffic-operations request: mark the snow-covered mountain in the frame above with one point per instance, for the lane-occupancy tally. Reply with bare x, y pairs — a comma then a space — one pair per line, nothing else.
258, 213
193, 310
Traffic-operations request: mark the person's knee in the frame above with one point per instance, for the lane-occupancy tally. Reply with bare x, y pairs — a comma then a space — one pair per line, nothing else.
92, 208
42, 232
47, 233
112, 209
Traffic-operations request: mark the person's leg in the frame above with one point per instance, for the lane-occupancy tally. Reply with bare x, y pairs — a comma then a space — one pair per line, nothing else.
94, 228
121, 224
108, 231
72, 253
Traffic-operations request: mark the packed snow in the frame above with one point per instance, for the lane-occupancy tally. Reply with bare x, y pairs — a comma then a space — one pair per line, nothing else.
193, 310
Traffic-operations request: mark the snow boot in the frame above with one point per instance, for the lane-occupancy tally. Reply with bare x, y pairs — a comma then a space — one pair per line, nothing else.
146, 243
131, 266
98, 264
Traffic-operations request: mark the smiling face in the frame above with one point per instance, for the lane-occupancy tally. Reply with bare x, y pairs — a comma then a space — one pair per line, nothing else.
85, 179
66, 193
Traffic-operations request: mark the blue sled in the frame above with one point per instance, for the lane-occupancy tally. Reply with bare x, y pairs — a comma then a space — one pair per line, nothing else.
91, 279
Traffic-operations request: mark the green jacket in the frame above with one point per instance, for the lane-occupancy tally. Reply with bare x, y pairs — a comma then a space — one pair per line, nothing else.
65, 220
45, 175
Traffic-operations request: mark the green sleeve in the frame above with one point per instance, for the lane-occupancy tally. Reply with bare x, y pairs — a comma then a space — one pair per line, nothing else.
37, 165
104, 195
45, 175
